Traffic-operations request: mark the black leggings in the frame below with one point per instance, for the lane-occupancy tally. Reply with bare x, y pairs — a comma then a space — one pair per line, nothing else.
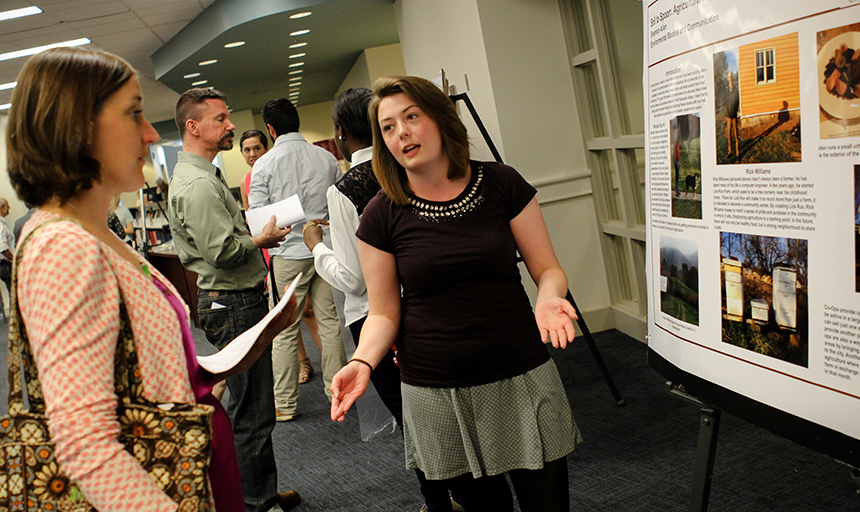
538, 490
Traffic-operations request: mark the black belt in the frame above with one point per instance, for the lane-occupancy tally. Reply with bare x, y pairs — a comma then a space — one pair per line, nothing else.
259, 287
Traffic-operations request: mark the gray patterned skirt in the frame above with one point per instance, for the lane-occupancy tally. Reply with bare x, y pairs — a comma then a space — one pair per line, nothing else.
515, 423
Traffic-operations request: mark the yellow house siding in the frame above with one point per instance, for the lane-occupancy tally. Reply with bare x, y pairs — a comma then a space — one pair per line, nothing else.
765, 98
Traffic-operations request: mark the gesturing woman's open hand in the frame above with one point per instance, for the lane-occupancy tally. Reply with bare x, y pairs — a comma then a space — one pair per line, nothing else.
346, 387
554, 318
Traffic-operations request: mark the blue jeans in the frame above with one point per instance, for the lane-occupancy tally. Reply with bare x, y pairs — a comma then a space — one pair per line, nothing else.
251, 405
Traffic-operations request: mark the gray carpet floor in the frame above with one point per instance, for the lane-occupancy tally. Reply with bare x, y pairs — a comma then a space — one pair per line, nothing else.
635, 458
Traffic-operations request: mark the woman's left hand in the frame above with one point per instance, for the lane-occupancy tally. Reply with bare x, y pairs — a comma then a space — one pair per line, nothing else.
554, 317
313, 233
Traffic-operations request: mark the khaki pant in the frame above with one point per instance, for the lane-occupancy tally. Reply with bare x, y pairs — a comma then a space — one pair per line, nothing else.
285, 361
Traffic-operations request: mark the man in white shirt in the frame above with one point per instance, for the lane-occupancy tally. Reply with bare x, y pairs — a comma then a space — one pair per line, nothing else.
7, 245
294, 166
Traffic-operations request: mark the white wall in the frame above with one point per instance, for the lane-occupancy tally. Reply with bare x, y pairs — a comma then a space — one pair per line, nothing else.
446, 34
372, 64
513, 55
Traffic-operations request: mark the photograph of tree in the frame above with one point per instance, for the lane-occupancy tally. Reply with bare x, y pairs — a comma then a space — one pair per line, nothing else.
679, 279
765, 307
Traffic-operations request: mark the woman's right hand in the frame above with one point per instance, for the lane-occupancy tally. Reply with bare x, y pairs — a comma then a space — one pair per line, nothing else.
346, 387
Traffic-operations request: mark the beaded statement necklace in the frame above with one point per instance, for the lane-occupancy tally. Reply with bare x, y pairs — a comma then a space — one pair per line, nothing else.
440, 212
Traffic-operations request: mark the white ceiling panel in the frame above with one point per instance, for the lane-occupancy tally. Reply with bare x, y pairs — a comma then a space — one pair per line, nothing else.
9, 5
46, 38
141, 5
117, 26
167, 31
142, 40
104, 20
89, 12
156, 18
92, 5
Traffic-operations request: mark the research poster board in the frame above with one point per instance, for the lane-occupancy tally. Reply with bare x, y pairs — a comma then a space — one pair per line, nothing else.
753, 182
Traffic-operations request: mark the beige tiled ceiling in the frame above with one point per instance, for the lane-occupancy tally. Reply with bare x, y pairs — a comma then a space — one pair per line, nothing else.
133, 29
251, 75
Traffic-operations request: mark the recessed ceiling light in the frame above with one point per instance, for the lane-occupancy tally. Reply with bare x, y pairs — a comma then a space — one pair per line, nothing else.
201, 82
39, 49
298, 45
296, 72
293, 79
297, 64
300, 15
296, 84
10, 85
207, 62
297, 55
300, 33
234, 45
5, 106
191, 75
20, 13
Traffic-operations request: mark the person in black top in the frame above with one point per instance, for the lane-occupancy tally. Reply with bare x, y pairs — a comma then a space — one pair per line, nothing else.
481, 396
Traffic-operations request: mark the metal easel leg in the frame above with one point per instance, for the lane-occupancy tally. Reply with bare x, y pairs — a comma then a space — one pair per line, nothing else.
596, 353
705, 453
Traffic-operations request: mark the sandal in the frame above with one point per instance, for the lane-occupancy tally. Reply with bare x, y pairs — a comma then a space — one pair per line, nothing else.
306, 371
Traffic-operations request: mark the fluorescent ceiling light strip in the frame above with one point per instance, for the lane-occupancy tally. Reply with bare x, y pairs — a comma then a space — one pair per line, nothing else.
5, 106
10, 85
39, 49
19, 13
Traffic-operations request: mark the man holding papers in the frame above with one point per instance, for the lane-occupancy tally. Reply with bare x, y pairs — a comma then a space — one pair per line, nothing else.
212, 240
294, 166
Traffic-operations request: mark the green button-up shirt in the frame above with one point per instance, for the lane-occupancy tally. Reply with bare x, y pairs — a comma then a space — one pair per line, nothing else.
211, 236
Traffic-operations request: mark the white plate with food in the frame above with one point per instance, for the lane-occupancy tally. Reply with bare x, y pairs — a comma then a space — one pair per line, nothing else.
839, 76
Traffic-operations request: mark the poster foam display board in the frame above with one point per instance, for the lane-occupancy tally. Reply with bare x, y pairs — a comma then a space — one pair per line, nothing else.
753, 182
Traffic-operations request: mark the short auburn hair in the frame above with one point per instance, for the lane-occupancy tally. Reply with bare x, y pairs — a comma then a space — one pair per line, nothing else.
191, 105
435, 104
59, 94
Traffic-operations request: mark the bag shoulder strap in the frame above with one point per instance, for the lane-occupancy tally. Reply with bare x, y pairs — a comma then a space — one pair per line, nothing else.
127, 376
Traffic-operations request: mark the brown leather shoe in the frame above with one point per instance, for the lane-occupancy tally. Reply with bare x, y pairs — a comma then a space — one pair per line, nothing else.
288, 500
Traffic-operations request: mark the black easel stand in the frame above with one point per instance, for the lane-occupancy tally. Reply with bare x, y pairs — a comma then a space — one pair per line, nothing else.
706, 451
579, 321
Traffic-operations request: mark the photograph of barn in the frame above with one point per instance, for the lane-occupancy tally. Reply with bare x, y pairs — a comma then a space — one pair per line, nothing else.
679, 279
764, 284
757, 86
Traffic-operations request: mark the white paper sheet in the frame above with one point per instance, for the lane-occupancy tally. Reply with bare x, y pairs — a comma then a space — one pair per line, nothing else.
236, 350
289, 211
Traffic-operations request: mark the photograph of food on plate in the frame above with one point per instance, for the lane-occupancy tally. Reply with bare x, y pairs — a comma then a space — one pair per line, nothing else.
839, 81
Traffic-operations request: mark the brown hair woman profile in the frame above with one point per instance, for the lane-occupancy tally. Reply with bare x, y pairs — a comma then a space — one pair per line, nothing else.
76, 138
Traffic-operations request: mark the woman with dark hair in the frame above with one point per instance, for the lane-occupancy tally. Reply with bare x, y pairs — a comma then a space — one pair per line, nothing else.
76, 137
481, 395
253, 145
